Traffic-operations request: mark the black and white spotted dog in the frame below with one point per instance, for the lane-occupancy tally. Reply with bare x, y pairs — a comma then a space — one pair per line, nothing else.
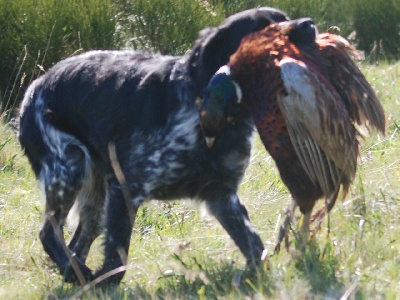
106, 127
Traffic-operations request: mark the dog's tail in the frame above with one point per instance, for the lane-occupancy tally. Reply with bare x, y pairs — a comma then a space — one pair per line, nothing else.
40, 138
55, 155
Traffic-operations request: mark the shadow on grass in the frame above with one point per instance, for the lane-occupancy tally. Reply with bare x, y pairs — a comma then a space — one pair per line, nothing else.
315, 262
206, 279
197, 278
117, 292
318, 266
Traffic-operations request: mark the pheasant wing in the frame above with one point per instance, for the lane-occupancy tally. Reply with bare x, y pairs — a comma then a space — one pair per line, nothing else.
319, 126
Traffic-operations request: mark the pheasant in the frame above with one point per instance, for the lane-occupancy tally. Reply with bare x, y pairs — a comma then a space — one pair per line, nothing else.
309, 103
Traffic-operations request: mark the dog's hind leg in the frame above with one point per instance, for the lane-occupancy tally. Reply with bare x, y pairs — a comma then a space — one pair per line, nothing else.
234, 218
90, 210
121, 209
62, 177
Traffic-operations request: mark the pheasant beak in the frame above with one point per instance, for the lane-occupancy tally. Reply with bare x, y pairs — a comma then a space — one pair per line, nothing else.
211, 123
210, 141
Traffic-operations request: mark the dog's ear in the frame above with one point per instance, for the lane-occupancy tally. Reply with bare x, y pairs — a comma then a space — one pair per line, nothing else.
215, 45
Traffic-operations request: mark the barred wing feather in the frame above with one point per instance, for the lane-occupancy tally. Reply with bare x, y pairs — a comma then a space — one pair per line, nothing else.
319, 126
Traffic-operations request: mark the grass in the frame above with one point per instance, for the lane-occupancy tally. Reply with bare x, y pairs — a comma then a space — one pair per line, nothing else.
178, 253
36, 34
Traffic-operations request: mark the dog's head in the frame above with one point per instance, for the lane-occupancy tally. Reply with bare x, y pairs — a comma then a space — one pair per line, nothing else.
215, 45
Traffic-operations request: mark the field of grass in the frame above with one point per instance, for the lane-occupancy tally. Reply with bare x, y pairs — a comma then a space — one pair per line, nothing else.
177, 252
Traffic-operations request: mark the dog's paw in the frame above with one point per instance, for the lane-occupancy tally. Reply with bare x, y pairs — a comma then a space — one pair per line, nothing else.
78, 273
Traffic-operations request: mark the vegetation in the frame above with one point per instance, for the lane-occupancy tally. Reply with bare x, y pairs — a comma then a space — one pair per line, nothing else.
168, 26
36, 34
177, 253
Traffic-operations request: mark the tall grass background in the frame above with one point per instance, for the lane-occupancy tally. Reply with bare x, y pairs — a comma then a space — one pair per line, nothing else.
37, 34
177, 252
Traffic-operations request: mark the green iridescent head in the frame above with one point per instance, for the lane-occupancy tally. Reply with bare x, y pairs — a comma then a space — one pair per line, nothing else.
221, 92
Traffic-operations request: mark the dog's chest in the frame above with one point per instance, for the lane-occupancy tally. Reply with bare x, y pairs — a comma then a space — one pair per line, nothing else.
163, 155
174, 161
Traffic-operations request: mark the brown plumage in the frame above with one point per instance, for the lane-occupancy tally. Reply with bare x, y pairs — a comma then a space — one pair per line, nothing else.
308, 101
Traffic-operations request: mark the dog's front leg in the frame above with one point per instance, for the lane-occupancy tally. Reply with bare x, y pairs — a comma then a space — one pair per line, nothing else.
234, 218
